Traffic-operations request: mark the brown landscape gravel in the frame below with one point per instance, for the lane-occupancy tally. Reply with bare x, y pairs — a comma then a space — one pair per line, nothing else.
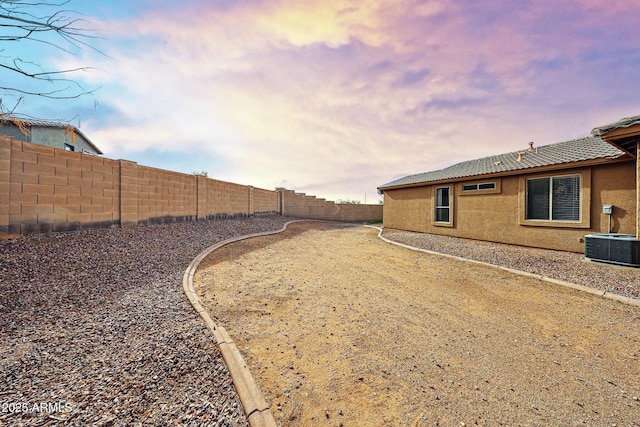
343, 329
95, 329
567, 266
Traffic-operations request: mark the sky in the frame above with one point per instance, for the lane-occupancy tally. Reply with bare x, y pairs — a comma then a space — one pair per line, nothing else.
335, 98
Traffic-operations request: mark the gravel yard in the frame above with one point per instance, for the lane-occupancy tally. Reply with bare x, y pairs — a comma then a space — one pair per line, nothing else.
342, 329
95, 329
568, 266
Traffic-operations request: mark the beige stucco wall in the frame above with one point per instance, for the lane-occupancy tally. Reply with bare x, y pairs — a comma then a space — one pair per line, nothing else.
496, 216
408, 209
614, 185
56, 137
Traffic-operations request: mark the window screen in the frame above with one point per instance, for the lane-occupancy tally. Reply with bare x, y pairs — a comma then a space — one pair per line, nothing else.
442, 204
538, 198
481, 186
487, 186
566, 198
554, 198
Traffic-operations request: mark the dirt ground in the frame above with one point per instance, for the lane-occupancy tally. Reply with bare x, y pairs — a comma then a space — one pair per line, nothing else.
341, 328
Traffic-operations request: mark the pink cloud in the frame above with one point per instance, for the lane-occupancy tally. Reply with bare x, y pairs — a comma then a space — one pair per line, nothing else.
408, 86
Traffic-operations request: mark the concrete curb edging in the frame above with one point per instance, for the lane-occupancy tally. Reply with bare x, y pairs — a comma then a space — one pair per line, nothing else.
255, 407
604, 294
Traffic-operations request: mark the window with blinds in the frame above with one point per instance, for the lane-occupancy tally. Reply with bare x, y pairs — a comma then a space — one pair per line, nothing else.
555, 198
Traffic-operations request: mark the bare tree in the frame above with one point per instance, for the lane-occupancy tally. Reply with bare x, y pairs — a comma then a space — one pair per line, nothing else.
29, 23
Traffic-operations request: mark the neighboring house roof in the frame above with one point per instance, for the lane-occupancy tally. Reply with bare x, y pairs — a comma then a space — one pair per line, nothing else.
576, 150
41, 123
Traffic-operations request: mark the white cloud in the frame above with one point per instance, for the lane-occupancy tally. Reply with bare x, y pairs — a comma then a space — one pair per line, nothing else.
347, 93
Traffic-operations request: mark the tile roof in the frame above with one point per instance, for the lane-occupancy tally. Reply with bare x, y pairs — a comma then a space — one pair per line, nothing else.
626, 139
622, 123
576, 150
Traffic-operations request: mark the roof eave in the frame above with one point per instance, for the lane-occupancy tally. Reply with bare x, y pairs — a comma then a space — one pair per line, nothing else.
624, 134
79, 132
30, 123
535, 169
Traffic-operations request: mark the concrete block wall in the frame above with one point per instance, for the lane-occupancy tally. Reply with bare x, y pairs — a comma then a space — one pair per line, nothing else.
226, 199
129, 191
45, 189
5, 182
55, 190
263, 202
92, 188
166, 196
303, 206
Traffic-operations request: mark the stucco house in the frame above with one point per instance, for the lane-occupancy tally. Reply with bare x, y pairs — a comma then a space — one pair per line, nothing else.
51, 134
550, 196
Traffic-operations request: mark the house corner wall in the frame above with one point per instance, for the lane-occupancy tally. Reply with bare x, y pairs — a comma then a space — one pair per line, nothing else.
638, 190
408, 209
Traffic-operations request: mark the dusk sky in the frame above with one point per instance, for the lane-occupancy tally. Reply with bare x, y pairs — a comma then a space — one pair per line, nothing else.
334, 98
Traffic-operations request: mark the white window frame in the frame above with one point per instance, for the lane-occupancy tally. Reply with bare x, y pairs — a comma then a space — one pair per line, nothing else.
551, 179
449, 207
585, 201
476, 187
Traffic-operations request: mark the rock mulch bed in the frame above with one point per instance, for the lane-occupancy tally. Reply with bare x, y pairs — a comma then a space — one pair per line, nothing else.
96, 330
566, 266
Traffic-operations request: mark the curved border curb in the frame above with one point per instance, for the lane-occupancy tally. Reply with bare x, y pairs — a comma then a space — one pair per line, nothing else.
604, 294
255, 407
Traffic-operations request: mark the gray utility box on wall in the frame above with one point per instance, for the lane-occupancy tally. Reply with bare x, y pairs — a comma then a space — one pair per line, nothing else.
623, 249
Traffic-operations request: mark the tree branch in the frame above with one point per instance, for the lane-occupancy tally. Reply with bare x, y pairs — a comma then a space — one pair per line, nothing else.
19, 23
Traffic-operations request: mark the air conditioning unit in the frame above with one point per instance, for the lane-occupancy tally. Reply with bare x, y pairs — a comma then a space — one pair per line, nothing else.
623, 249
